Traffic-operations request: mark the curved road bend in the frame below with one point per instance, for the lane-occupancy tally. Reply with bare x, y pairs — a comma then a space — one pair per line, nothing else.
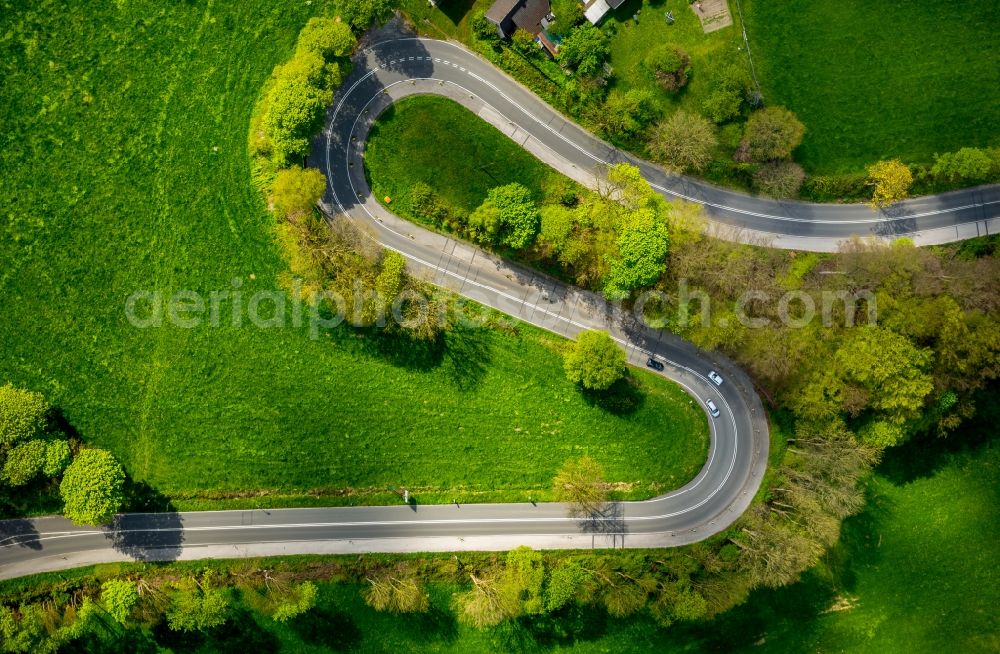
446, 68
706, 505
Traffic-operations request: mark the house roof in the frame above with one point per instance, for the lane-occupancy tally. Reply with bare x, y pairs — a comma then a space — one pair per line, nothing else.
529, 16
595, 10
501, 10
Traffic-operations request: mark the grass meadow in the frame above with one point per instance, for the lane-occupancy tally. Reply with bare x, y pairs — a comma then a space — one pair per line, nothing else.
874, 80
125, 167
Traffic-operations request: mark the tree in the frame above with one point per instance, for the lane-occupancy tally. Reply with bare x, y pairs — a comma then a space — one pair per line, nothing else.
625, 113
57, 457
508, 216
968, 164
24, 462
92, 487
891, 179
392, 278
595, 361
670, 66
523, 41
779, 179
196, 605
580, 483
296, 190
504, 592
294, 601
360, 14
22, 415
642, 253
772, 133
684, 142
296, 104
326, 37
399, 590
564, 583
119, 598
726, 101
484, 29
585, 49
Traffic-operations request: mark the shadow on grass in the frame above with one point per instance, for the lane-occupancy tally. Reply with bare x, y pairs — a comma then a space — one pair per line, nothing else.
622, 399
324, 626
239, 635
456, 10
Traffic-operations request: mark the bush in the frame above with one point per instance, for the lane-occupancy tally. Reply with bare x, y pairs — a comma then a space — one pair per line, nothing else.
297, 104
626, 113
57, 457
297, 190
360, 14
92, 487
891, 179
595, 361
968, 165
779, 179
483, 29
508, 217
726, 101
684, 142
24, 462
326, 38
585, 50
771, 134
22, 415
670, 66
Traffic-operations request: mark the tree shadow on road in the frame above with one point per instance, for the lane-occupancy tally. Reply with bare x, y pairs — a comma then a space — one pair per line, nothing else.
19, 532
147, 537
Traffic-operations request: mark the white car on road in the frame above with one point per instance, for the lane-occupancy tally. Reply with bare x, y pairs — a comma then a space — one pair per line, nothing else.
715, 377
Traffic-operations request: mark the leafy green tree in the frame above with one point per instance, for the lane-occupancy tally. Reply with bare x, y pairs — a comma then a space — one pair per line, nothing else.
298, 599
684, 142
362, 13
670, 66
327, 38
585, 50
564, 584
296, 190
196, 605
296, 104
57, 457
392, 278
22, 415
772, 133
523, 577
726, 100
119, 598
484, 29
625, 113
968, 164
594, 361
508, 216
580, 483
523, 41
779, 179
642, 254
891, 181
24, 462
92, 487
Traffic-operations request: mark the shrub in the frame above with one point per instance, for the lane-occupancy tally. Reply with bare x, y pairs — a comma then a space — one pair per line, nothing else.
779, 179
626, 113
891, 179
508, 216
22, 414
296, 190
670, 66
968, 164
92, 487
595, 361
484, 29
360, 14
684, 142
296, 105
772, 133
57, 457
585, 49
327, 38
24, 462
726, 101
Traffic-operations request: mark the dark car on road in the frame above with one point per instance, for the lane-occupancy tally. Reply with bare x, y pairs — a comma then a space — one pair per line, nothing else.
654, 364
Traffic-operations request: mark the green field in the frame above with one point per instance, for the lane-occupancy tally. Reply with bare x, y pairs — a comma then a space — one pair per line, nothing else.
873, 80
406, 146
125, 167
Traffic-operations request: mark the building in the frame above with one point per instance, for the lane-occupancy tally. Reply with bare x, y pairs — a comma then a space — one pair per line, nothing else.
532, 16
595, 10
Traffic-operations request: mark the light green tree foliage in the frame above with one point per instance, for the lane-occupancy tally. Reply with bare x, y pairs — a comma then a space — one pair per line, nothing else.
399, 590
327, 38
523, 578
362, 13
296, 190
504, 592
297, 102
22, 415
196, 605
92, 487
57, 457
968, 164
625, 113
564, 584
297, 600
508, 217
594, 361
392, 277
580, 483
876, 373
119, 598
772, 133
726, 100
44, 628
585, 49
642, 237
24, 462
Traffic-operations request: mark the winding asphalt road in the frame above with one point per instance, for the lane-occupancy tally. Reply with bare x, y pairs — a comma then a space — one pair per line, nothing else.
738, 452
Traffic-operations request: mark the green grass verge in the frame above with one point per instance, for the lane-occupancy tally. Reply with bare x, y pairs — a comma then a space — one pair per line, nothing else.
875, 80
125, 168
409, 144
